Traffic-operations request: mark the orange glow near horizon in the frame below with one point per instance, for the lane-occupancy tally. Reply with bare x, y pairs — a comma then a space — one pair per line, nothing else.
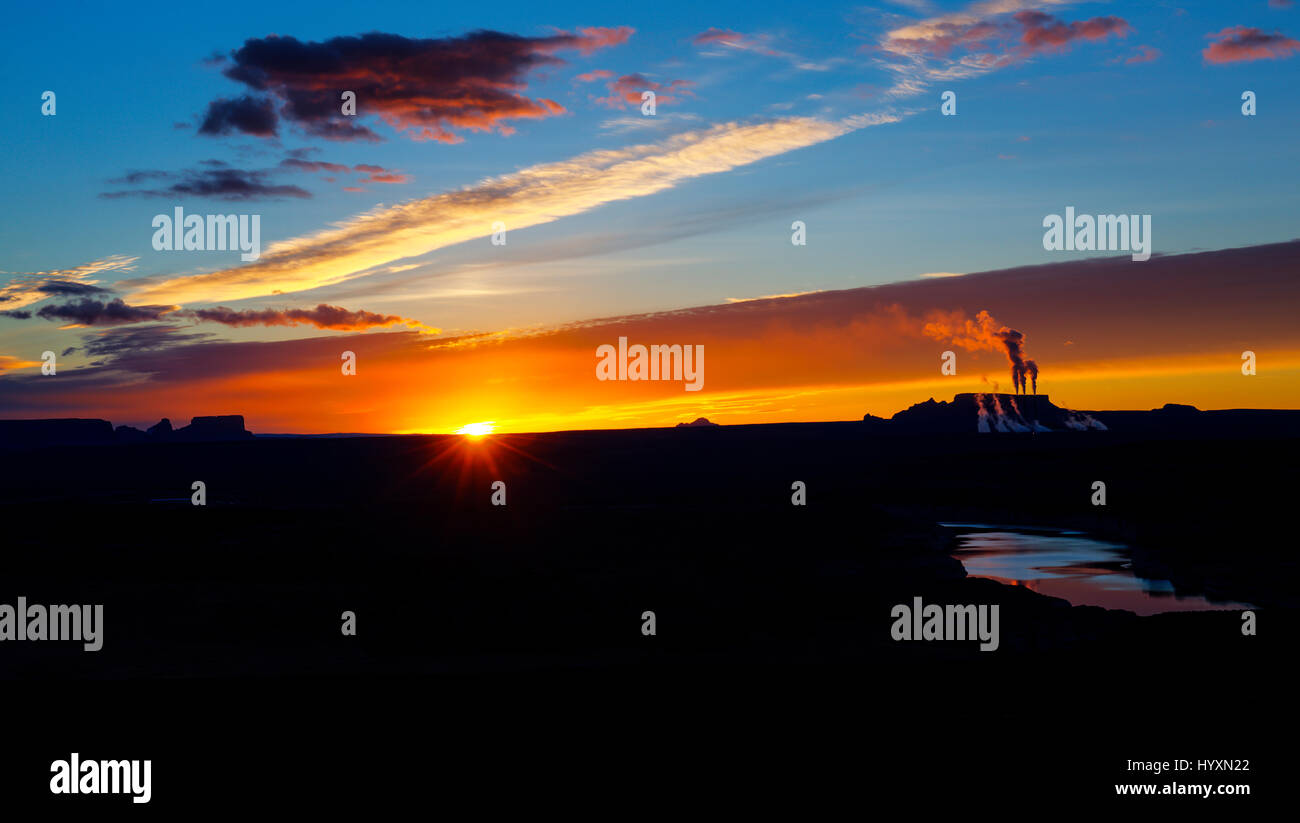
539, 391
1178, 335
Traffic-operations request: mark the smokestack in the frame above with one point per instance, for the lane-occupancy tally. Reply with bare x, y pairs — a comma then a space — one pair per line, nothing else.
1014, 342
1033, 374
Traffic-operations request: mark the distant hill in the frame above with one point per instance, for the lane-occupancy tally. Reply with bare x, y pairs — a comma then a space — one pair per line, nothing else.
700, 422
72, 431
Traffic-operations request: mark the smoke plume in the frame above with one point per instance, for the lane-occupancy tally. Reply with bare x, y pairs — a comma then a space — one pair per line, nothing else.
984, 334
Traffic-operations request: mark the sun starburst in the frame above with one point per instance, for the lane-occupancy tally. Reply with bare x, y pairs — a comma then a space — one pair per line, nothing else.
477, 429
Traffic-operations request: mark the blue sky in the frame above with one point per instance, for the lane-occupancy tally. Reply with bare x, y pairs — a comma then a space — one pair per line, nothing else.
1080, 125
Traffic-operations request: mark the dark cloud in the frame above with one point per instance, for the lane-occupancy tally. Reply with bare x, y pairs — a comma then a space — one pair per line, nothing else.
430, 88
246, 115
17, 314
88, 312
69, 350
217, 183
118, 342
297, 164
218, 180
322, 316
65, 288
133, 178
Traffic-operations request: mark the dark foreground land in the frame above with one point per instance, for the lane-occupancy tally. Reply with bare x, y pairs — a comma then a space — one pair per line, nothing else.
753, 597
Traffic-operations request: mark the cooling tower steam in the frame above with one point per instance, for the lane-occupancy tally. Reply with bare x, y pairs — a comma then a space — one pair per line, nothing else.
986, 334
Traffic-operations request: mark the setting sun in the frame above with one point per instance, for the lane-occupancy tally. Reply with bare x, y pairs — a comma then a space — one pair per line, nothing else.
477, 429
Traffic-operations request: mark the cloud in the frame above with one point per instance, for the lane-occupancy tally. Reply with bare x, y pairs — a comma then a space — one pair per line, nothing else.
465, 279
24, 289
825, 355
246, 115
1237, 44
217, 183
1143, 54
984, 37
87, 312
754, 43
217, 180
322, 317
733, 39
11, 363
593, 76
298, 164
429, 89
627, 90
530, 197
773, 296
636, 122
123, 341
1043, 32
65, 287
379, 174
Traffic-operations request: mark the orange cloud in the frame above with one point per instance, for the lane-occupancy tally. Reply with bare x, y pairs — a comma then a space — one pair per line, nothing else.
627, 90
11, 363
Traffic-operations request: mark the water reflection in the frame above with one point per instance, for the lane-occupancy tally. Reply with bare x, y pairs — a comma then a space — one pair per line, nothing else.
1064, 564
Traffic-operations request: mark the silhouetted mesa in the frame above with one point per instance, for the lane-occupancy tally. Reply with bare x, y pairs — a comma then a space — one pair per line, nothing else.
130, 434
22, 434
991, 412
161, 430
988, 412
221, 427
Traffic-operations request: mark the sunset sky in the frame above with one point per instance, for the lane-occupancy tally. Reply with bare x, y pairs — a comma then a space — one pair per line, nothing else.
376, 230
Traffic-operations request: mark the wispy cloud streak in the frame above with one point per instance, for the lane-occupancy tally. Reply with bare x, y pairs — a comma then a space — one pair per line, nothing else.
534, 196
